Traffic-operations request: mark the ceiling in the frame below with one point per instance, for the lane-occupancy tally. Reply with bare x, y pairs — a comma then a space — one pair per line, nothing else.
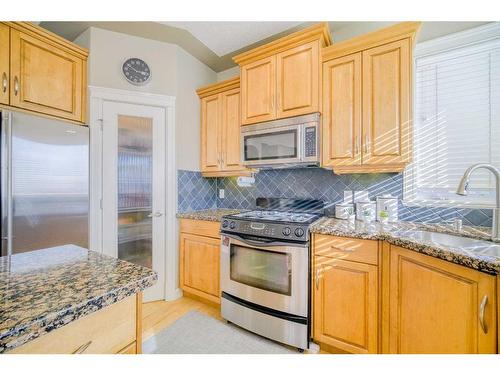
215, 43
226, 37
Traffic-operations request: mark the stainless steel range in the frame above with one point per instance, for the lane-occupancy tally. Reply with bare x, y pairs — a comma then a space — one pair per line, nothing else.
265, 268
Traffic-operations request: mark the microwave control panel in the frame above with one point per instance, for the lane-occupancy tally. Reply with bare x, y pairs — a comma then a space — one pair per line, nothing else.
310, 142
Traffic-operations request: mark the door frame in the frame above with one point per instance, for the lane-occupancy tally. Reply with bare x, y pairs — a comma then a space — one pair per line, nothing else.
97, 97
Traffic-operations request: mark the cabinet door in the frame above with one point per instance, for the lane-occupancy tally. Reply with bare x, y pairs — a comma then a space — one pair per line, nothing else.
386, 104
4, 63
199, 266
231, 130
298, 80
258, 91
45, 78
342, 111
210, 133
346, 305
436, 307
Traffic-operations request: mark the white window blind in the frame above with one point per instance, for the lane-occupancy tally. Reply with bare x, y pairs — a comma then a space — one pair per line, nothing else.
456, 123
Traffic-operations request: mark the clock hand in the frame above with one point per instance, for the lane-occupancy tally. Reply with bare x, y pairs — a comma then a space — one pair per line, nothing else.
135, 70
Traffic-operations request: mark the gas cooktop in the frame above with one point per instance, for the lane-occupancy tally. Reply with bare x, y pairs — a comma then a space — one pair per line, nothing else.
290, 222
280, 216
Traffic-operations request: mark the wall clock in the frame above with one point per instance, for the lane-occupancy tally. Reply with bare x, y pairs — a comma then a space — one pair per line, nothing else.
136, 71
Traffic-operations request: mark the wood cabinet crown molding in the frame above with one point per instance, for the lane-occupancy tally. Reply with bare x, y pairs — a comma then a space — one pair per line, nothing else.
215, 88
375, 38
50, 37
319, 32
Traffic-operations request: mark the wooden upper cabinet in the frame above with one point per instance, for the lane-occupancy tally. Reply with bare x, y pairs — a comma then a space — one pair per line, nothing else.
346, 305
258, 91
367, 97
436, 307
342, 113
210, 130
4, 63
282, 78
298, 80
386, 103
46, 78
220, 129
231, 130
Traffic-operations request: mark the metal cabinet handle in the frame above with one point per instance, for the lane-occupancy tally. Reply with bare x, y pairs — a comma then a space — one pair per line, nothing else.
317, 278
356, 145
82, 348
156, 214
16, 85
482, 307
4, 82
366, 143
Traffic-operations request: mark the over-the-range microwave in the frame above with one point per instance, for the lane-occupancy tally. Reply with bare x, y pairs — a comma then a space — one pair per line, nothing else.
284, 143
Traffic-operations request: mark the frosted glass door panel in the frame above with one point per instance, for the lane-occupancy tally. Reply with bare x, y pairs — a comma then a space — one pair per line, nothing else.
135, 189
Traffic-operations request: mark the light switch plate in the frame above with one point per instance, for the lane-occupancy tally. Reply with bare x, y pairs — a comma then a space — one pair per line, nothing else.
221, 193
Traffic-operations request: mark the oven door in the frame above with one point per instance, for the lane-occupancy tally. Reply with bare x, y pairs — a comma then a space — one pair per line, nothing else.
261, 145
270, 274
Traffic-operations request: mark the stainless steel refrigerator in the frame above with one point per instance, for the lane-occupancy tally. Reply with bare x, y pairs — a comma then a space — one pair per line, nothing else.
44, 183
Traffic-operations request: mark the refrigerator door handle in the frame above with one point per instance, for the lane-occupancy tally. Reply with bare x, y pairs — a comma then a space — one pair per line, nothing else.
6, 183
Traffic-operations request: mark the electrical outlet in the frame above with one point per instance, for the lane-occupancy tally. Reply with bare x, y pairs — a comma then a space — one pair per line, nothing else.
221, 193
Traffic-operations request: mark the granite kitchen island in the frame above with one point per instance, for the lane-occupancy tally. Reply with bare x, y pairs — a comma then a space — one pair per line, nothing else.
71, 300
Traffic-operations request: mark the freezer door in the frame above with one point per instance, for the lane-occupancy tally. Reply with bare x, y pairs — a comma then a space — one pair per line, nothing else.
50, 183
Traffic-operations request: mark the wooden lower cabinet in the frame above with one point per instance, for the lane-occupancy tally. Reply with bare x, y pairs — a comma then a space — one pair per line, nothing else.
199, 259
114, 329
346, 305
438, 307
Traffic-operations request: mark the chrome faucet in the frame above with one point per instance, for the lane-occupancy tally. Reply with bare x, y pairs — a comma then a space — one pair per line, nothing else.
462, 190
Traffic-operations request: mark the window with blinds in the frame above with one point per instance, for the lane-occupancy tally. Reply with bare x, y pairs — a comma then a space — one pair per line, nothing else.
456, 123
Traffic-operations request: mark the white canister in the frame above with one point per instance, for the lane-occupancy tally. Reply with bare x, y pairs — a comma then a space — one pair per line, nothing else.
387, 208
344, 210
365, 211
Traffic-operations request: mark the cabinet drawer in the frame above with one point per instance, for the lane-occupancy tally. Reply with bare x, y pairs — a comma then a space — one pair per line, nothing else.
352, 249
106, 331
200, 227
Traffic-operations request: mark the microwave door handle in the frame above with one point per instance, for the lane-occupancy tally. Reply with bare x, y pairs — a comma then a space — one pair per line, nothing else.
262, 243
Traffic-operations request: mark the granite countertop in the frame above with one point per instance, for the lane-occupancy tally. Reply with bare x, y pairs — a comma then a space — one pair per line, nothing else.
213, 214
394, 233
46, 289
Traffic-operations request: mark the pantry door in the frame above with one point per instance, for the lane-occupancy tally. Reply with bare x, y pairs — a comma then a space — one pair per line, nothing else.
133, 187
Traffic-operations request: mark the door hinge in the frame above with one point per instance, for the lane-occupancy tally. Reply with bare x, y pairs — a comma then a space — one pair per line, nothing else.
101, 123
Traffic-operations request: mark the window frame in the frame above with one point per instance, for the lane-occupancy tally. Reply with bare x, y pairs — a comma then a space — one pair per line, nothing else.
468, 38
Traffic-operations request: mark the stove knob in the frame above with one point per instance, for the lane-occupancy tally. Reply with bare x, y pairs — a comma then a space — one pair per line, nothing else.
232, 225
225, 223
299, 232
286, 231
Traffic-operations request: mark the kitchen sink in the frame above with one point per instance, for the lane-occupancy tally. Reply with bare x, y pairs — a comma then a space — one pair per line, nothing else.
448, 240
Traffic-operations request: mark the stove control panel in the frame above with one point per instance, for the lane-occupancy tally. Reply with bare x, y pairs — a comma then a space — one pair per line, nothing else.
273, 230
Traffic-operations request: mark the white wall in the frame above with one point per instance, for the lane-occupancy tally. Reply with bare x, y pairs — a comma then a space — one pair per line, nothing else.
229, 73
191, 74
174, 72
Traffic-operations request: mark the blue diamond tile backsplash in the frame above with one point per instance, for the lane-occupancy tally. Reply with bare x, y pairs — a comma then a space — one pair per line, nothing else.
196, 192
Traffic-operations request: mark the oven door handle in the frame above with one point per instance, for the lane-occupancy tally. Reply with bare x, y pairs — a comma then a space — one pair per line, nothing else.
264, 243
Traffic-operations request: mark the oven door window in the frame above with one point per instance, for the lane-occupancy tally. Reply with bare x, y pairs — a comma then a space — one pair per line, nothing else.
270, 146
263, 269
